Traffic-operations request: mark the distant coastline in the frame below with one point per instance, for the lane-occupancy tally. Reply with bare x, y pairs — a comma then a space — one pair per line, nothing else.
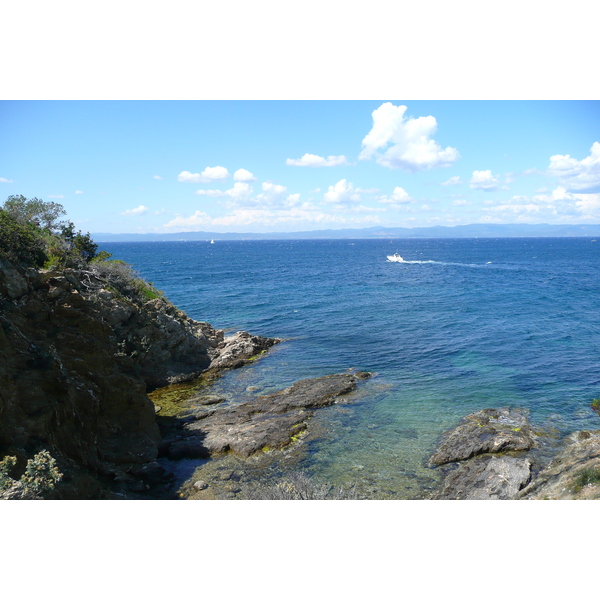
458, 231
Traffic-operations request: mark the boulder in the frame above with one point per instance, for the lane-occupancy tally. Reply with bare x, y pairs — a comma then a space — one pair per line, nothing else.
486, 431
486, 477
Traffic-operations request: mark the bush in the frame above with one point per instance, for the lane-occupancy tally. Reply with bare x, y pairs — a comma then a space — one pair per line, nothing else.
31, 234
40, 477
118, 277
21, 243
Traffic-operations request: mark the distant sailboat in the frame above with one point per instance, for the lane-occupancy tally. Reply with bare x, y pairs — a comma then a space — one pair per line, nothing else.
212, 241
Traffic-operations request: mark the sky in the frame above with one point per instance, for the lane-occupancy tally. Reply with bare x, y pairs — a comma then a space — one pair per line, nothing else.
282, 165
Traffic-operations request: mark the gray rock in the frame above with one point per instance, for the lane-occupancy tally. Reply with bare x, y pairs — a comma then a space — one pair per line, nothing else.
573, 474
488, 430
270, 421
486, 478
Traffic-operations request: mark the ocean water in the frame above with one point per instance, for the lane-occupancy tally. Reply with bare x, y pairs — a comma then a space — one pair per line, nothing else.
462, 325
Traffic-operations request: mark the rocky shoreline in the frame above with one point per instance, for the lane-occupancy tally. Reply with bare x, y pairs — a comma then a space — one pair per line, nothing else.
83, 372
490, 457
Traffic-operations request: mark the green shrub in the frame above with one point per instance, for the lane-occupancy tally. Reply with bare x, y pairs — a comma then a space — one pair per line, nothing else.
585, 477
21, 243
40, 477
120, 278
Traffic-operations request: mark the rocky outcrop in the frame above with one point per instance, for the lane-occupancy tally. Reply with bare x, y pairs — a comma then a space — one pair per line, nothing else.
76, 363
474, 444
489, 453
488, 430
574, 474
268, 422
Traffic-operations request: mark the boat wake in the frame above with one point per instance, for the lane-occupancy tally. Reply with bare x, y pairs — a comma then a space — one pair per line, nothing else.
397, 258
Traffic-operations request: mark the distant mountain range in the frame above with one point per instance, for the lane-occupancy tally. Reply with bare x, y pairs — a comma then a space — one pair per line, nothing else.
459, 231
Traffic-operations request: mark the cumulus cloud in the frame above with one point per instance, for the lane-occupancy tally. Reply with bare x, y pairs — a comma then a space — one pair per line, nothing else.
312, 160
4, 180
577, 175
399, 196
452, 181
343, 192
484, 180
209, 174
136, 212
406, 143
460, 203
560, 206
243, 175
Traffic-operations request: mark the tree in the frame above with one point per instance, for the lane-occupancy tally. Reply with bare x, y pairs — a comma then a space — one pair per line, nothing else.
38, 212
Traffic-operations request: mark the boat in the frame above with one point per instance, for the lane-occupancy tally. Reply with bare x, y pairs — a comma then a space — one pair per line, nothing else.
395, 258
212, 241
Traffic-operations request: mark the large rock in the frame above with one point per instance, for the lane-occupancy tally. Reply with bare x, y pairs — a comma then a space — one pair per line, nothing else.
486, 477
574, 474
267, 422
486, 431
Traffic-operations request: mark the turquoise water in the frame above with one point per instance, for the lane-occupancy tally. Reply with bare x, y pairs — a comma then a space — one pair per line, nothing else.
462, 325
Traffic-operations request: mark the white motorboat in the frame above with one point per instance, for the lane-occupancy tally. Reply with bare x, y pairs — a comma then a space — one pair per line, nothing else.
395, 258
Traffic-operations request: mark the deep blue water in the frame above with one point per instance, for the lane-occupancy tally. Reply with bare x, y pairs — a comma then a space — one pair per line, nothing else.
465, 324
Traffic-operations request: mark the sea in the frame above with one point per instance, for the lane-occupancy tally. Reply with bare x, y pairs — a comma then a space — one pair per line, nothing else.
460, 325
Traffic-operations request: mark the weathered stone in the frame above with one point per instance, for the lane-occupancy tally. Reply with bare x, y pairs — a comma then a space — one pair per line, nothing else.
486, 477
488, 430
270, 421
573, 474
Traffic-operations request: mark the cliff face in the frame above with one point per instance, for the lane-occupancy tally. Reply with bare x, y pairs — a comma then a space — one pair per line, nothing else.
75, 365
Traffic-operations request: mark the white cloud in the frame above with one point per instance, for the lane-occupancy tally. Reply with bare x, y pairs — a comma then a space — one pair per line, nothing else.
399, 196
484, 180
209, 174
342, 192
198, 218
136, 212
298, 217
239, 191
411, 147
78, 192
561, 206
452, 181
312, 160
577, 175
157, 177
4, 180
243, 175
460, 203
55, 196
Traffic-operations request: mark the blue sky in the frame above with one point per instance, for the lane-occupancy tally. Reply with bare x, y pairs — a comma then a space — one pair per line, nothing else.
264, 166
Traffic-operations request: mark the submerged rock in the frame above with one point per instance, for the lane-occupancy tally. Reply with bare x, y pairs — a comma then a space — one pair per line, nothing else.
488, 430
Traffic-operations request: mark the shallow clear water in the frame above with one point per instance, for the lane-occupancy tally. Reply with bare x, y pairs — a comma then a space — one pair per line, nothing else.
466, 324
